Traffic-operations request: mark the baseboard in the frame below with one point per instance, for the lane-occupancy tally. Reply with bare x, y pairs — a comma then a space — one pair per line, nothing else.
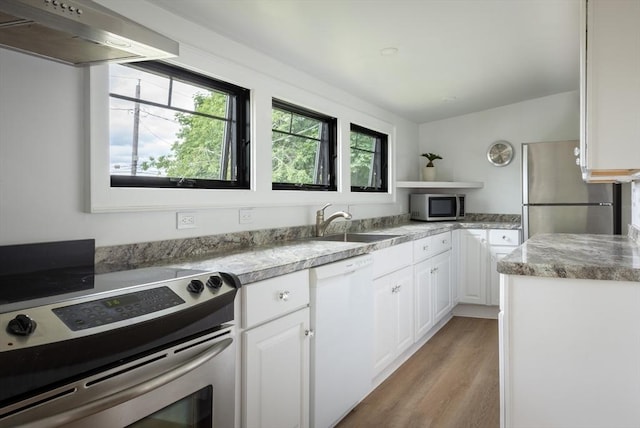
476, 311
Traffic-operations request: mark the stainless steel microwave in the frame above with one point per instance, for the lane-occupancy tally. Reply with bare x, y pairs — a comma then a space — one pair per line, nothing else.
436, 207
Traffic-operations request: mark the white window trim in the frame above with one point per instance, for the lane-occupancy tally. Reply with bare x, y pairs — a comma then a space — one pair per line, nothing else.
102, 198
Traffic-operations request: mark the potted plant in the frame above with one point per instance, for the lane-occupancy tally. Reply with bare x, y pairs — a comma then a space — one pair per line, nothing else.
429, 170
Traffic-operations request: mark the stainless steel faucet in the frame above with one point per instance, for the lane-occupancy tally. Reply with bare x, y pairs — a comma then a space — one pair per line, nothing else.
321, 223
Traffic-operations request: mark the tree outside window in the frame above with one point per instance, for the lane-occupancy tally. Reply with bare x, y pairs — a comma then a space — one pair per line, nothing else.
303, 149
368, 160
173, 128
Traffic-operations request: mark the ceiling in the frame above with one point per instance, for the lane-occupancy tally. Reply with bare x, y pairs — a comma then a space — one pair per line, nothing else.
453, 56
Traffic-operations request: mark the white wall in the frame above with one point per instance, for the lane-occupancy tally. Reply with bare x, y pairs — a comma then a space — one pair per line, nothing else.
463, 142
44, 152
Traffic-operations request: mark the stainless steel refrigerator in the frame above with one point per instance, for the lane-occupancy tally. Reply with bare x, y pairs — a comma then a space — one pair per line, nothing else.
556, 200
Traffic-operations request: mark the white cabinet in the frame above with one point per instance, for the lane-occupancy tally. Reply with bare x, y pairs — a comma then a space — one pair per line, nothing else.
393, 304
441, 283
432, 277
455, 258
569, 353
275, 352
610, 89
393, 310
497, 253
472, 272
424, 318
480, 251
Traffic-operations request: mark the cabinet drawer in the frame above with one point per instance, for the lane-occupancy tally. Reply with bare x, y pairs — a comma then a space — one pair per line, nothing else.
504, 237
392, 258
480, 234
422, 249
274, 297
441, 242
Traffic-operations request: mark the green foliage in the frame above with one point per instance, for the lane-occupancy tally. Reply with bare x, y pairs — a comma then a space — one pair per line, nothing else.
362, 156
197, 153
294, 156
431, 157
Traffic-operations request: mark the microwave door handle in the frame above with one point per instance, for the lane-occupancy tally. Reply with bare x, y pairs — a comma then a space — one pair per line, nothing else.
128, 394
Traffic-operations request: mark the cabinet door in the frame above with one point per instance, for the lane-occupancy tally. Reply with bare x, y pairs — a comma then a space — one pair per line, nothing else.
473, 267
611, 87
423, 307
497, 253
385, 315
403, 280
276, 373
441, 283
455, 270
393, 316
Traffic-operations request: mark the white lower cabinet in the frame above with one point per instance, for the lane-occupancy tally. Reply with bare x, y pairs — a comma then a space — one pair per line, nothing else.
472, 273
480, 251
433, 292
393, 304
423, 297
275, 353
497, 253
393, 310
441, 285
569, 353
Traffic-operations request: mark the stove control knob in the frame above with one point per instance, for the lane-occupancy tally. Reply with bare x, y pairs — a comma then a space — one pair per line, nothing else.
195, 286
214, 282
21, 325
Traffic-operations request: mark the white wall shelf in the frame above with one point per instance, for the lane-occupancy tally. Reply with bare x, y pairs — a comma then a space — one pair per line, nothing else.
440, 184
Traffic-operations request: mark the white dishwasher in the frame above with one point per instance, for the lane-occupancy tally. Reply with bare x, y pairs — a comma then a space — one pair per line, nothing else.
342, 348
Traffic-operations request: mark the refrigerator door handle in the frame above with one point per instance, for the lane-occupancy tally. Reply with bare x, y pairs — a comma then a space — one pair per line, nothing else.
525, 223
525, 173
577, 204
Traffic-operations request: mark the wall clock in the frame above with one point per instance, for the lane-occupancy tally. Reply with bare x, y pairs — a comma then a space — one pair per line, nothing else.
500, 153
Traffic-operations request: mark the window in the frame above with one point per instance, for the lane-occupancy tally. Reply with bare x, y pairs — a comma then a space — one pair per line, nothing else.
303, 149
172, 128
368, 160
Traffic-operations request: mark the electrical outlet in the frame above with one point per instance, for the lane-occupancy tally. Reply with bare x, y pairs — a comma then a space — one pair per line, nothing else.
245, 215
186, 220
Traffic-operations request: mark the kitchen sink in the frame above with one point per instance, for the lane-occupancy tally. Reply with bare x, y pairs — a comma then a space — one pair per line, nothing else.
356, 237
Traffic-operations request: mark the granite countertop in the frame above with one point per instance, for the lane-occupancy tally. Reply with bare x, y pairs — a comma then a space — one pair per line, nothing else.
264, 262
560, 255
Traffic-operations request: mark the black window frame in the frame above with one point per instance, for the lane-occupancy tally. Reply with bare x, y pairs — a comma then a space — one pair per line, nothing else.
383, 162
241, 130
331, 148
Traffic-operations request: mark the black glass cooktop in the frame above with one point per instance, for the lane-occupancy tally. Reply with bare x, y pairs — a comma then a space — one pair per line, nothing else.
30, 271
40, 274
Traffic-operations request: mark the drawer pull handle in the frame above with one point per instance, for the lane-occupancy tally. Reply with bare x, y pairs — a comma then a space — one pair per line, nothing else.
425, 248
309, 333
284, 296
395, 289
504, 237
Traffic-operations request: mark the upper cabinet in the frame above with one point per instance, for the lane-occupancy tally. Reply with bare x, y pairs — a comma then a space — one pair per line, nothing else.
610, 90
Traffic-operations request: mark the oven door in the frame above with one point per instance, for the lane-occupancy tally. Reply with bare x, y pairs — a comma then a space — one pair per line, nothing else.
188, 385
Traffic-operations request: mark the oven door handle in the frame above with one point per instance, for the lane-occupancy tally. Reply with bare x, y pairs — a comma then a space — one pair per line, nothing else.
128, 394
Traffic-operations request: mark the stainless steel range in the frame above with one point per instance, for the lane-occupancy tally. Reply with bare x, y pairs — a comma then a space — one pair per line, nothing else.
147, 347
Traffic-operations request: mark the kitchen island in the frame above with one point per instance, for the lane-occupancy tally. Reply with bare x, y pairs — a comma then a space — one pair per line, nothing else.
569, 336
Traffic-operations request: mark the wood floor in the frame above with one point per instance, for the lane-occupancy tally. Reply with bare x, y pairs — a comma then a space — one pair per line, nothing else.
451, 382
